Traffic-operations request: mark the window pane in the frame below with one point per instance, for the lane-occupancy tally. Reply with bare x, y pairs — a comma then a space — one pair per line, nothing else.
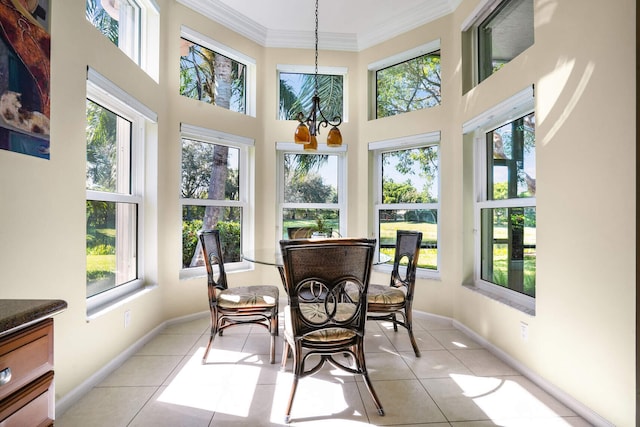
512, 160
424, 220
210, 171
506, 33
212, 77
224, 218
119, 21
310, 178
509, 248
108, 151
410, 176
111, 245
408, 86
302, 223
297, 90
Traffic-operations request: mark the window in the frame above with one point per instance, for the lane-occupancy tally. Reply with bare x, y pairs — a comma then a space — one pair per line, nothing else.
406, 82
505, 206
297, 87
406, 178
214, 192
216, 74
311, 190
499, 31
123, 23
116, 130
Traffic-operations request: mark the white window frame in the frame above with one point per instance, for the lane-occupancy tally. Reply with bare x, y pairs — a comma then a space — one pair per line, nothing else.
310, 69
246, 177
247, 61
105, 93
396, 59
471, 24
141, 42
518, 105
378, 148
283, 148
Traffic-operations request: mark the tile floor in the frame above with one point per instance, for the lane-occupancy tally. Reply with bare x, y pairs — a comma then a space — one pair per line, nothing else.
456, 382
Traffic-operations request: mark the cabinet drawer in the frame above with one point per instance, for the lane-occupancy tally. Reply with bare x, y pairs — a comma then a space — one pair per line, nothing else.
31, 406
25, 356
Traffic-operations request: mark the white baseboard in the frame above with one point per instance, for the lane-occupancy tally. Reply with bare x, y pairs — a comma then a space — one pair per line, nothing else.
69, 399
566, 399
72, 397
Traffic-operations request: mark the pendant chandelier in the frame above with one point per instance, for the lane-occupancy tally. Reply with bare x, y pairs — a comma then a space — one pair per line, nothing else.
309, 127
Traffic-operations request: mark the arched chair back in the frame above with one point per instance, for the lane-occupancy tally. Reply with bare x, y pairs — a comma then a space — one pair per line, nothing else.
255, 304
324, 322
388, 302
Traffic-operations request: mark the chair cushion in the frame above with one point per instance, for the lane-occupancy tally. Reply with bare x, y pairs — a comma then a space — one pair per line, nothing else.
315, 313
381, 294
248, 296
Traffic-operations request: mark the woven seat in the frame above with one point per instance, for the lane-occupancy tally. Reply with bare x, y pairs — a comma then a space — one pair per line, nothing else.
323, 323
236, 306
388, 302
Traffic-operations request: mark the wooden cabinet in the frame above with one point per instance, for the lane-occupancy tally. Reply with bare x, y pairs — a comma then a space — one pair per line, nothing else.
26, 376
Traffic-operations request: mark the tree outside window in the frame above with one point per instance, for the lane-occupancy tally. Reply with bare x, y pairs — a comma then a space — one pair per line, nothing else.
409, 199
211, 77
211, 197
408, 86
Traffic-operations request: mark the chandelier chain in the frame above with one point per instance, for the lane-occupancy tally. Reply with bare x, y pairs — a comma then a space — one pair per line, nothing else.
316, 69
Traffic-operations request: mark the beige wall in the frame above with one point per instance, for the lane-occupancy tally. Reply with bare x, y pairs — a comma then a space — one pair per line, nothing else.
582, 338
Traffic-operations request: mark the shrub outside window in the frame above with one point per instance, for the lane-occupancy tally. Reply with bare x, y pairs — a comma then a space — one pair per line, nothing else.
410, 85
407, 194
213, 194
503, 35
507, 215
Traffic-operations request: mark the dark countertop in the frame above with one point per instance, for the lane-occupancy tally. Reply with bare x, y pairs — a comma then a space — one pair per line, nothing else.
17, 313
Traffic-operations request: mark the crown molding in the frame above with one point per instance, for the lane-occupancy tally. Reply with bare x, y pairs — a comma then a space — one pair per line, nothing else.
219, 12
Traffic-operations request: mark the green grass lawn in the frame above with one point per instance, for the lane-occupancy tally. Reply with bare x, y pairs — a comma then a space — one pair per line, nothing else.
100, 266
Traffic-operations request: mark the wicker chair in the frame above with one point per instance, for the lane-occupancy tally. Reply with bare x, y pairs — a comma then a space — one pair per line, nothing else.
322, 321
238, 305
386, 302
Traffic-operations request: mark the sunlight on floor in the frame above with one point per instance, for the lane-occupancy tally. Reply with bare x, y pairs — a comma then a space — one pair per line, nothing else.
501, 398
202, 386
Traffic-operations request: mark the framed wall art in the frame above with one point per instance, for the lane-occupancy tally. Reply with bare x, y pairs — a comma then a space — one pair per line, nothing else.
24, 77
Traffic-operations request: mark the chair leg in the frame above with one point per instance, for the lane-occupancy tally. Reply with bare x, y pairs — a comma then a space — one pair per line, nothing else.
212, 336
294, 386
285, 355
362, 367
408, 320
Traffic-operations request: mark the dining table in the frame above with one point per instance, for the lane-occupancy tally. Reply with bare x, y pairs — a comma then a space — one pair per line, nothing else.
273, 257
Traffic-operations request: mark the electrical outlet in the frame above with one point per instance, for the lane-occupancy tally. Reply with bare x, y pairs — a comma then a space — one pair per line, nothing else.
127, 318
524, 331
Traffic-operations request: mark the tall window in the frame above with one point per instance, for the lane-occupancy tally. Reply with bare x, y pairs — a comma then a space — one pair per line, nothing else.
407, 193
213, 191
406, 82
505, 208
508, 216
115, 129
215, 74
311, 191
122, 22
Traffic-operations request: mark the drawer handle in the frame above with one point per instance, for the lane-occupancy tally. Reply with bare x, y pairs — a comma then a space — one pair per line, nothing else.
5, 376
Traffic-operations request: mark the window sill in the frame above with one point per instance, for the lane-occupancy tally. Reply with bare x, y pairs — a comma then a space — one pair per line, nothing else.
503, 298
101, 304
